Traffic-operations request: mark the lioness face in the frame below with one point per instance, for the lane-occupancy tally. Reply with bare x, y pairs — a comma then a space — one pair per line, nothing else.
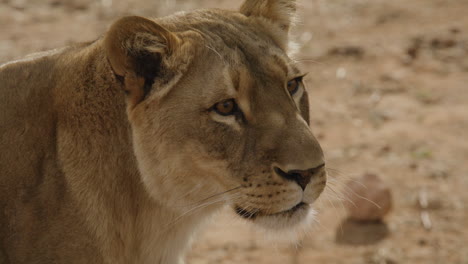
232, 128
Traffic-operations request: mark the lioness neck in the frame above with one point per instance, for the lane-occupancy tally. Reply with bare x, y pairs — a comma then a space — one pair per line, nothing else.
131, 226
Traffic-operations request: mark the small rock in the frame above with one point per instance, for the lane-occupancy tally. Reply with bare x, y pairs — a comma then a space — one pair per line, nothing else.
441, 43
351, 232
384, 256
347, 51
19, 4
369, 198
341, 73
79, 5
422, 242
385, 149
414, 48
454, 30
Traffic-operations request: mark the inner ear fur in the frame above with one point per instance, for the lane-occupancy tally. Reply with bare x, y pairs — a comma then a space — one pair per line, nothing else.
136, 48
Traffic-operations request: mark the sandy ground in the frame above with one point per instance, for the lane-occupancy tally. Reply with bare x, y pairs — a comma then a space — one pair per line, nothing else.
388, 84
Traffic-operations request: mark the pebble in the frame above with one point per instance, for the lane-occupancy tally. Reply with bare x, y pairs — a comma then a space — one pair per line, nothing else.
369, 198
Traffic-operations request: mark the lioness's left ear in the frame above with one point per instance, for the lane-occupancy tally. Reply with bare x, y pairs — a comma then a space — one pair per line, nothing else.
280, 12
138, 50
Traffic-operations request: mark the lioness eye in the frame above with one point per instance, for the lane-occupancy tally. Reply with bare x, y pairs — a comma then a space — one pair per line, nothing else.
226, 107
293, 85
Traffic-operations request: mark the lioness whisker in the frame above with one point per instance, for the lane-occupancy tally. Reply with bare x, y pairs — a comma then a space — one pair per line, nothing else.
326, 195
339, 173
342, 197
200, 206
212, 196
352, 192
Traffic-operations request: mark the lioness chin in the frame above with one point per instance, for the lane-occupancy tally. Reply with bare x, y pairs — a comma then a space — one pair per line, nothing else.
115, 151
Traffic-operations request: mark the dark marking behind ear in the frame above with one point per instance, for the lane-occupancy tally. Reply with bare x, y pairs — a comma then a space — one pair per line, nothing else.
148, 66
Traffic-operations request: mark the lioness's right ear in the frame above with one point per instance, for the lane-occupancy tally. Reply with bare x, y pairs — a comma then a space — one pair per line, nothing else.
136, 48
280, 13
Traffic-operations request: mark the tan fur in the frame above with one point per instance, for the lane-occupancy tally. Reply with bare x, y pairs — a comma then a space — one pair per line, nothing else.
111, 152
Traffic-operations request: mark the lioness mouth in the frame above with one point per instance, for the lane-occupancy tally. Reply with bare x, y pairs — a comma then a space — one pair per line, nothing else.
256, 212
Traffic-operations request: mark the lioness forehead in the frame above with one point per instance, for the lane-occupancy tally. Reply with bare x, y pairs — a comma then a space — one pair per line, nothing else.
238, 41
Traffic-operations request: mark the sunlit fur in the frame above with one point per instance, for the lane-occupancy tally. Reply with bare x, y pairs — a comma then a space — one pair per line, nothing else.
111, 152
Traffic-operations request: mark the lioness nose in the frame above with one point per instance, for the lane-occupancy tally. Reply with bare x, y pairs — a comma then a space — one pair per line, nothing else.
302, 177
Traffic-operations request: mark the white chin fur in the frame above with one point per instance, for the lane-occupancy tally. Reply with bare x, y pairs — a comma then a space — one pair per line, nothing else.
289, 228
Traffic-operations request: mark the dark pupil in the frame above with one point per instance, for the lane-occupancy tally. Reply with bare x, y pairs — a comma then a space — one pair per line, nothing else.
292, 85
225, 106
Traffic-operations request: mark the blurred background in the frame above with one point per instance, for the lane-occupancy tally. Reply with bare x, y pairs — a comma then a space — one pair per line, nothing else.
388, 85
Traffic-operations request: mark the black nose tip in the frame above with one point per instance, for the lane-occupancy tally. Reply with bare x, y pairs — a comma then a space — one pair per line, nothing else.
302, 177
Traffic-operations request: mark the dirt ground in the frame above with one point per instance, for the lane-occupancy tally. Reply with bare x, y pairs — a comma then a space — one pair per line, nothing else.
388, 84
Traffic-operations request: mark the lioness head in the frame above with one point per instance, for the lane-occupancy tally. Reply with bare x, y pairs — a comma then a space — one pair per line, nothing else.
219, 112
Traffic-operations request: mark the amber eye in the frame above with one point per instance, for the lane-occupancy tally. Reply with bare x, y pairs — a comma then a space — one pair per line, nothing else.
293, 85
226, 107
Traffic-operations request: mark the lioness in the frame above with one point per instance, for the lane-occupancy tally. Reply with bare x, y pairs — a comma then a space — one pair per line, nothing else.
115, 151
